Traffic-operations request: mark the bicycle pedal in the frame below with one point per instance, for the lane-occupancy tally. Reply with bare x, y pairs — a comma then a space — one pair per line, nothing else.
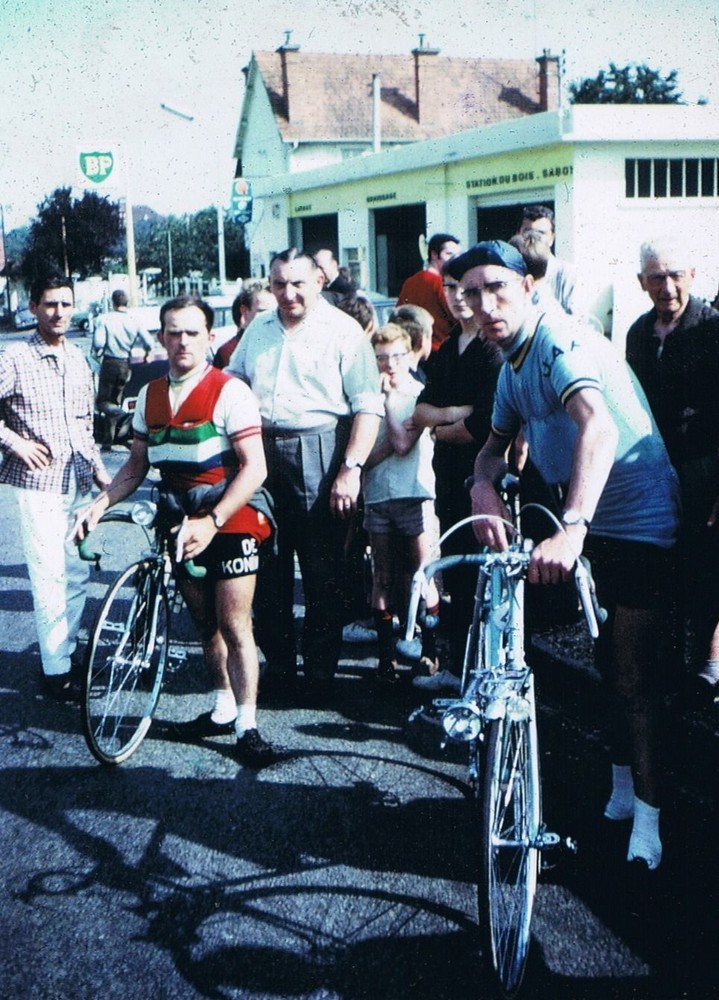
425, 713
176, 656
546, 841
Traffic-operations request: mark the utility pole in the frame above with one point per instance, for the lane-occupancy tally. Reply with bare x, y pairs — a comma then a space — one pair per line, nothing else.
63, 233
222, 267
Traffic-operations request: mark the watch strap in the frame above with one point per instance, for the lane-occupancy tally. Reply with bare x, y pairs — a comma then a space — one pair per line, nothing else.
218, 521
570, 517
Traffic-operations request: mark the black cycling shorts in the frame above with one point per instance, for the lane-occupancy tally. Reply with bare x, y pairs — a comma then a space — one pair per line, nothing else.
630, 574
228, 557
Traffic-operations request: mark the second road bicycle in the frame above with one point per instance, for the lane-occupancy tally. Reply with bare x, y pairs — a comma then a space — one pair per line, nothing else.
496, 718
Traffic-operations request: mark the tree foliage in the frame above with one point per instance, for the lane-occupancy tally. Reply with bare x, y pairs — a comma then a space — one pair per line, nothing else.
631, 84
75, 236
87, 236
191, 240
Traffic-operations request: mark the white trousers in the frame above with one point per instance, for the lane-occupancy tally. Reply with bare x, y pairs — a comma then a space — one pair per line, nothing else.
58, 577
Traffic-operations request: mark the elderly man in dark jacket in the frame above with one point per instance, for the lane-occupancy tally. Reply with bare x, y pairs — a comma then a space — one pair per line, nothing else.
674, 351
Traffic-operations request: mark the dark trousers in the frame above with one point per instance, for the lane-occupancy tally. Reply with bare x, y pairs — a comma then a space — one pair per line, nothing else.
453, 504
114, 376
301, 470
698, 593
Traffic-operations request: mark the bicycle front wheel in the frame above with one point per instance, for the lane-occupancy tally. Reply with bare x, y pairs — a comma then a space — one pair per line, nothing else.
125, 661
510, 828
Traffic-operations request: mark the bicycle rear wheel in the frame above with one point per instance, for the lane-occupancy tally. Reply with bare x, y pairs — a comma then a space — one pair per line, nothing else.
125, 661
510, 828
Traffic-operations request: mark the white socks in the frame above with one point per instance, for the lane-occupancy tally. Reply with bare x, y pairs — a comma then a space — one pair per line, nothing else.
621, 802
710, 673
644, 842
246, 719
225, 709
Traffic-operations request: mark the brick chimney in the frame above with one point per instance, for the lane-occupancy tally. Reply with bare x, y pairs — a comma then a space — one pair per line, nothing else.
548, 81
286, 51
424, 83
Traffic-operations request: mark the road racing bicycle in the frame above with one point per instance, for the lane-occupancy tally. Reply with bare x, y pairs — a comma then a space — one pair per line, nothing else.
496, 717
129, 643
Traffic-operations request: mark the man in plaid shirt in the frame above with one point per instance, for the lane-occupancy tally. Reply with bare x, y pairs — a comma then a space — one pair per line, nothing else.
50, 462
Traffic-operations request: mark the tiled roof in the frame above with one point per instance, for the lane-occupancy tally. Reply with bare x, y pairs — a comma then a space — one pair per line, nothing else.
329, 97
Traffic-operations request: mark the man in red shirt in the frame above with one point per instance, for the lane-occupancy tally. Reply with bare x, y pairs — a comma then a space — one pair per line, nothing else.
425, 287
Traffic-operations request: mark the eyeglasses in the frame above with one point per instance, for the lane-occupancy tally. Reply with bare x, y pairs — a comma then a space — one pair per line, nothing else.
659, 277
382, 359
495, 289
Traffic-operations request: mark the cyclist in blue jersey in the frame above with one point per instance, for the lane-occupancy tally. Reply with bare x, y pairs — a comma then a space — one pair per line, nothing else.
592, 437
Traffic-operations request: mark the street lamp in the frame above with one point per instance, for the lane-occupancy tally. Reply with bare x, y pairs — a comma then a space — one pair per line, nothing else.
188, 117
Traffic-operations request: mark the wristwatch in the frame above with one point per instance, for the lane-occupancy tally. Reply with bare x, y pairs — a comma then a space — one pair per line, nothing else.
352, 463
218, 521
570, 517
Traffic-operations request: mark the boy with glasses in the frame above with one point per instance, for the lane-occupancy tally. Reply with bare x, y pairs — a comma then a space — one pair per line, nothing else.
398, 490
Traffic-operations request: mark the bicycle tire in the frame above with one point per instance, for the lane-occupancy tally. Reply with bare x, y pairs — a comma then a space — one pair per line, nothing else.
510, 818
125, 662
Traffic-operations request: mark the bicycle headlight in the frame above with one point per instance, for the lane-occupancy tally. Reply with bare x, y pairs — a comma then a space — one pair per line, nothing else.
143, 513
462, 721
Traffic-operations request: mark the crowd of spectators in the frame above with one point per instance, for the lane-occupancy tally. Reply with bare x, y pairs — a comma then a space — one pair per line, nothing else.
369, 434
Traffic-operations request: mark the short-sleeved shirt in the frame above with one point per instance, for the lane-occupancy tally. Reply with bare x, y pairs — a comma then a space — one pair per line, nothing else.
322, 370
544, 369
409, 476
236, 413
561, 278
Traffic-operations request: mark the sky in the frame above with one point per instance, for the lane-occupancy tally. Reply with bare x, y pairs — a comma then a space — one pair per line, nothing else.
76, 74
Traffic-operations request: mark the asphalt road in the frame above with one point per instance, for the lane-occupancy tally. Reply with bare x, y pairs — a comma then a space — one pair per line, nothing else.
347, 872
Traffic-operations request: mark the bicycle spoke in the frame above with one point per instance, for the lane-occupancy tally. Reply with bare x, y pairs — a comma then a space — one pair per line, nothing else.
127, 653
510, 858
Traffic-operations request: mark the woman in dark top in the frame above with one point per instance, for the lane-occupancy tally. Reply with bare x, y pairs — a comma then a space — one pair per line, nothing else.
457, 405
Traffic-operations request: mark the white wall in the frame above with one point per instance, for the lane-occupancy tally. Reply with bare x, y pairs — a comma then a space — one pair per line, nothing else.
609, 228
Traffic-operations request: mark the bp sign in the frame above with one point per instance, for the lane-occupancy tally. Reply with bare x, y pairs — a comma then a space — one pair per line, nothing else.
97, 167
241, 201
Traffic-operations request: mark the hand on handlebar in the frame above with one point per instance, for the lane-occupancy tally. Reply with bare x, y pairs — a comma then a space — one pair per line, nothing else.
193, 537
491, 531
552, 560
86, 520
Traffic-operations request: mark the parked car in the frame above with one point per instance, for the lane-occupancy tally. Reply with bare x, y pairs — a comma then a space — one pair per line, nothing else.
156, 366
383, 305
23, 318
84, 317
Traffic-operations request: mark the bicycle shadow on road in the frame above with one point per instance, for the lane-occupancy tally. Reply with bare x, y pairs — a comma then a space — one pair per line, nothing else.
257, 882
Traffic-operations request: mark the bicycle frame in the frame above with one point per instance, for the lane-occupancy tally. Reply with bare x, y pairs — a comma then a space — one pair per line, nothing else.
495, 670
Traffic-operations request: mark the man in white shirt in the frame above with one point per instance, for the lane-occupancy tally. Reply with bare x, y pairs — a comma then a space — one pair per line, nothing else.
313, 371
